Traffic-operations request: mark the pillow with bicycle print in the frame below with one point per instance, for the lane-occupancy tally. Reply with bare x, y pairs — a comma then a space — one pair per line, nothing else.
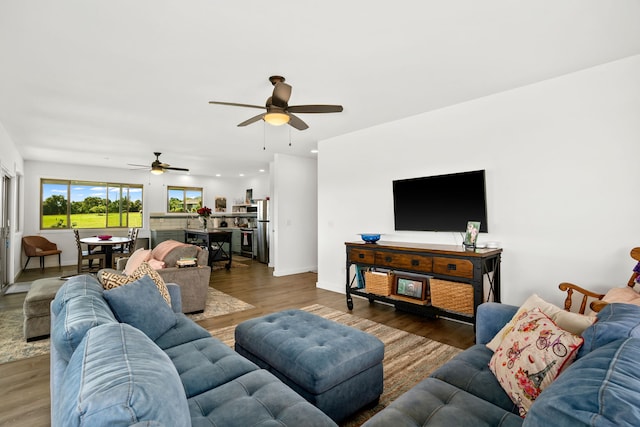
531, 356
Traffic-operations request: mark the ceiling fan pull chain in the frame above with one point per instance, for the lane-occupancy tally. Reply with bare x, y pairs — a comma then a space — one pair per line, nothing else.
289, 136
264, 136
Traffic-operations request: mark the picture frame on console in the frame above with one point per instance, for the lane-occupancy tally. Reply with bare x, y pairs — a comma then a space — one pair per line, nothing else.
471, 235
413, 286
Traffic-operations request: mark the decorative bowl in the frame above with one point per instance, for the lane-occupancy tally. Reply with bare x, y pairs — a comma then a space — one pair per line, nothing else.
104, 237
370, 237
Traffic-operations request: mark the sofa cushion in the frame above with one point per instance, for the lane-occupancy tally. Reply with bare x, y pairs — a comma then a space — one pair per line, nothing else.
572, 322
531, 356
600, 389
469, 371
436, 403
207, 363
119, 377
614, 321
184, 331
256, 398
113, 280
140, 304
77, 316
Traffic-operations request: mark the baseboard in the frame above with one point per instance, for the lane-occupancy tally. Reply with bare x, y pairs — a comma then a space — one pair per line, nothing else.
288, 272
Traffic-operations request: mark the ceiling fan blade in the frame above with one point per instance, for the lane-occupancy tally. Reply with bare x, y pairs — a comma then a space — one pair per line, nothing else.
138, 166
281, 94
235, 104
252, 120
176, 169
297, 123
315, 109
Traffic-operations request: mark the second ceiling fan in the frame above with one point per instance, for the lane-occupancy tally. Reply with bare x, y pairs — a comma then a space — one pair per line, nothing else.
278, 111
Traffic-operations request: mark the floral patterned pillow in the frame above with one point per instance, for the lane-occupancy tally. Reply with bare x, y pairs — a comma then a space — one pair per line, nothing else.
531, 356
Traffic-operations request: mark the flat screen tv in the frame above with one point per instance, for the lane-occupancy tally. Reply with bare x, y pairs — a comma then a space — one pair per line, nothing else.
441, 202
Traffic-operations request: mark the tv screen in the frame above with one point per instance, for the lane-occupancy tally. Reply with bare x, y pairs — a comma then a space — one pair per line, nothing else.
440, 203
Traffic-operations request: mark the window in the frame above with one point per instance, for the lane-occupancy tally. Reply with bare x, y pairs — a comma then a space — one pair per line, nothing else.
84, 204
183, 199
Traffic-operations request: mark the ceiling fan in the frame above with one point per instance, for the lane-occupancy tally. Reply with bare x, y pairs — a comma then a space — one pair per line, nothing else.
278, 110
158, 168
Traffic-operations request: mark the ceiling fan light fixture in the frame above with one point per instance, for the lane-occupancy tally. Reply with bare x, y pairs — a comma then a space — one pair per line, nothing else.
157, 170
276, 119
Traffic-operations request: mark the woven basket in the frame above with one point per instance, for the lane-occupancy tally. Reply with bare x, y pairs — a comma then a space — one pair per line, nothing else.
452, 296
377, 283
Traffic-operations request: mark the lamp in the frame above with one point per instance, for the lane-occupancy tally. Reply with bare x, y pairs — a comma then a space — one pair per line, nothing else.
276, 119
157, 170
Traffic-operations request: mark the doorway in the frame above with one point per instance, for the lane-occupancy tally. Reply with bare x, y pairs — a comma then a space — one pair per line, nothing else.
5, 226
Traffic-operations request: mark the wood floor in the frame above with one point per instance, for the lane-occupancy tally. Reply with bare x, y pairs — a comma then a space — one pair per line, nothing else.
25, 383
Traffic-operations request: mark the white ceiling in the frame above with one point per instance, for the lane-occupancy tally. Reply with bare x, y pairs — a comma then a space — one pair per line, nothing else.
109, 82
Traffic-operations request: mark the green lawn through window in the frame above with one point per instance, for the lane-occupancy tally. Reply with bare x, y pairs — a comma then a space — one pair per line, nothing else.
91, 221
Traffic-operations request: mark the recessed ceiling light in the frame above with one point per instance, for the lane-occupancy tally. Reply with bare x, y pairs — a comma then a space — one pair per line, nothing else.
261, 170
314, 151
218, 174
241, 174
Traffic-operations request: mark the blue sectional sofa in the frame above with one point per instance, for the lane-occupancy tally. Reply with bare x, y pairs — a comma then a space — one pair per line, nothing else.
144, 363
601, 388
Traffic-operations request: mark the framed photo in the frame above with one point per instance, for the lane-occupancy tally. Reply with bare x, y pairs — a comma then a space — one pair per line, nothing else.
221, 204
471, 236
411, 286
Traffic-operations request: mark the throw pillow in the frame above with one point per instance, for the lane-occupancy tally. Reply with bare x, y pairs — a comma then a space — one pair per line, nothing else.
136, 259
572, 322
114, 280
531, 356
146, 270
625, 295
156, 264
140, 305
111, 280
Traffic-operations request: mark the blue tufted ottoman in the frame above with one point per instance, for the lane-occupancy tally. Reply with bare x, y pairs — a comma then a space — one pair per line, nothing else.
335, 367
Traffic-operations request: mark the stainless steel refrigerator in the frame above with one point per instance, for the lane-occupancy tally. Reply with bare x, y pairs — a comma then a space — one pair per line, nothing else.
262, 232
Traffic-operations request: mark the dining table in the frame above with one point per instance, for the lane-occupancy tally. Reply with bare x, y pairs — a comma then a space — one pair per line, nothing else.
108, 245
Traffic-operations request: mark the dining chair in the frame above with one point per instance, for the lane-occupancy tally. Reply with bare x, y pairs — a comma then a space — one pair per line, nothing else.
38, 246
128, 248
89, 256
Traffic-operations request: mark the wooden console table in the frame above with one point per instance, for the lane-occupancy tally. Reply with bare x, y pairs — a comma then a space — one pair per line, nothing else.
214, 242
453, 266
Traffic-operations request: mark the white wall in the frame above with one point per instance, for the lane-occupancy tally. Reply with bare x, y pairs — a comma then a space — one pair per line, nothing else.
561, 160
12, 164
295, 221
154, 195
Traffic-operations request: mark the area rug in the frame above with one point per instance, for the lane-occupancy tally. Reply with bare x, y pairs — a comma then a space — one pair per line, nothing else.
14, 347
219, 303
408, 358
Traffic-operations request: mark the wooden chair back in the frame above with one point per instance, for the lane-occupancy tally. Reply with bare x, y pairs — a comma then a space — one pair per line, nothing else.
597, 303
